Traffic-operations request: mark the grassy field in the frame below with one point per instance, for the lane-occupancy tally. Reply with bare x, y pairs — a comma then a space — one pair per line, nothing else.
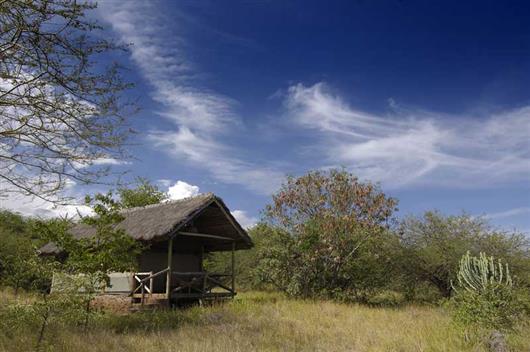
266, 322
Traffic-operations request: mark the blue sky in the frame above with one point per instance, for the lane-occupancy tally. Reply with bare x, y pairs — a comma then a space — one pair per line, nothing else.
432, 100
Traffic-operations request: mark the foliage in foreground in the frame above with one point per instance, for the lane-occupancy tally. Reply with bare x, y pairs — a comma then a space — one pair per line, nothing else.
259, 321
83, 266
62, 113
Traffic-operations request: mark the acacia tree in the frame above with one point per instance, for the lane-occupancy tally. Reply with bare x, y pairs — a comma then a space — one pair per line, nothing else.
61, 111
331, 235
142, 194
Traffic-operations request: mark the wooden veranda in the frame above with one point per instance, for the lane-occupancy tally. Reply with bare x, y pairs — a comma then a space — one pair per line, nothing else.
186, 285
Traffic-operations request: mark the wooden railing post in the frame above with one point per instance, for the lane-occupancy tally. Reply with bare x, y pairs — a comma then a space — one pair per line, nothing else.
170, 270
143, 293
151, 284
233, 267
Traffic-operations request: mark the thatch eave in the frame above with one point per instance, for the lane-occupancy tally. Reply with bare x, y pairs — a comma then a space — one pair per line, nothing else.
159, 222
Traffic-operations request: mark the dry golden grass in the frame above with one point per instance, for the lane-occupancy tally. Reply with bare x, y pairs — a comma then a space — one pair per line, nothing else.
269, 322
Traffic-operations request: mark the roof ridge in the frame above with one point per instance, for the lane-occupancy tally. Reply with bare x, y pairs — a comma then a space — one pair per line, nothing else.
171, 201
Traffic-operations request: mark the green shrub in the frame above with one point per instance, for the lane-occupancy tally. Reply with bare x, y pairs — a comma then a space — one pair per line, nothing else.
485, 295
433, 244
500, 309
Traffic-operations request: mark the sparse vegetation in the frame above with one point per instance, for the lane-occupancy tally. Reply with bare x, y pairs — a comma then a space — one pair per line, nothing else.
258, 321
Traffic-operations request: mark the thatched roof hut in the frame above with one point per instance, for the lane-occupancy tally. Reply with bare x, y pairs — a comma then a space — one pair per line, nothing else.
178, 234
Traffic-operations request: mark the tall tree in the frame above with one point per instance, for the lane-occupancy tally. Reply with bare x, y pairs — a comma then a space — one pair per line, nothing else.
334, 233
61, 110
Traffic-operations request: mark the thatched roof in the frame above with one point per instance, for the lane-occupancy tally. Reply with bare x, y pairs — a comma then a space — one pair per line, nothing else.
205, 213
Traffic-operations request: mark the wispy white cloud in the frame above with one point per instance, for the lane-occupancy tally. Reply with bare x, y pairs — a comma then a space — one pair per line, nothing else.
110, 161
29, 205
164, 182
36, 207
244, 219
202, 118
181, 190
186, 145
508, 213
408, 146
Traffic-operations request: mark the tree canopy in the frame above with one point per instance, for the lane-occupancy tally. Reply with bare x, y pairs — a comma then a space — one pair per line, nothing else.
333, 231
141, 194
61, 109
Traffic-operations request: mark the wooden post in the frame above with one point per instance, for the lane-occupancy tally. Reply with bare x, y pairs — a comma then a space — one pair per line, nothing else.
143, 293
202, 258
170, 269
151, 284
233, 267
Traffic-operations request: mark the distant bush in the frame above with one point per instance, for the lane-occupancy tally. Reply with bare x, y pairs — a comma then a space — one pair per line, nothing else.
432, 245
246, 262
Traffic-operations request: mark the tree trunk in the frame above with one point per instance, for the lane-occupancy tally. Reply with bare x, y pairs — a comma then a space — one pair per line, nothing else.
87, 314
43, 326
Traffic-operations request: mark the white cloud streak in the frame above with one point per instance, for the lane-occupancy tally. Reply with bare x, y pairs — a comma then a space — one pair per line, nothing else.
110, 161
411, 147
508, 213
203, 118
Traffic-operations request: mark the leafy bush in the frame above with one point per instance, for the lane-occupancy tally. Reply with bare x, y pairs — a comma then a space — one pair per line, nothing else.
485, 295
19, 263
39, 319
499, 309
